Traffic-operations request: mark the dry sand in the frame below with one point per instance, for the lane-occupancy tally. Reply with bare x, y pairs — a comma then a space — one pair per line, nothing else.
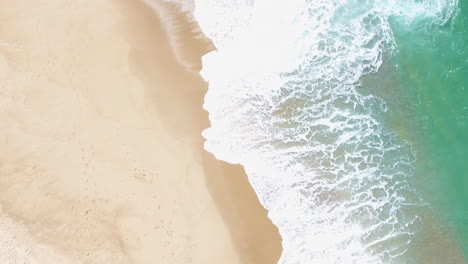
101, 158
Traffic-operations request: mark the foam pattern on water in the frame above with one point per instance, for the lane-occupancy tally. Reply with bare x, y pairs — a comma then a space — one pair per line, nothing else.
283, 103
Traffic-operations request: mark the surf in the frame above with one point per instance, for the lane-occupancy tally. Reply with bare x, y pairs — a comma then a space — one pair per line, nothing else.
285, 101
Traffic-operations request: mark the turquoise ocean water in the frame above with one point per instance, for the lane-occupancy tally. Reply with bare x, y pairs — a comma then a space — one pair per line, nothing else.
351, 120
425, 86
432, 72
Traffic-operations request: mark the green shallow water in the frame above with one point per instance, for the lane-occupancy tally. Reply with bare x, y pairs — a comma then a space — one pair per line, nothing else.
431, 111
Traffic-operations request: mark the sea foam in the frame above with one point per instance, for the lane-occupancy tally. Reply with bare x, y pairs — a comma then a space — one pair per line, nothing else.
283, 101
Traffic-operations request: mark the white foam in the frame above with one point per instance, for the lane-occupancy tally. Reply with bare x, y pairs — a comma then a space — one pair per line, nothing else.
283, 103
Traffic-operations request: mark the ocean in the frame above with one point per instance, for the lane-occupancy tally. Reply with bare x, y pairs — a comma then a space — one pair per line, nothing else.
350, 119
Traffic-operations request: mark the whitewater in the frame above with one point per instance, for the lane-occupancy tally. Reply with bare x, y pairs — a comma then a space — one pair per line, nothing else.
285, 101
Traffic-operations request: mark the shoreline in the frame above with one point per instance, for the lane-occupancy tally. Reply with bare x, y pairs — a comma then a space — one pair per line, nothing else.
101, 124
241, 209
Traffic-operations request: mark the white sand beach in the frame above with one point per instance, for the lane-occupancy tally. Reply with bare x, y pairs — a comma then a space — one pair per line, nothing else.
101, 157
